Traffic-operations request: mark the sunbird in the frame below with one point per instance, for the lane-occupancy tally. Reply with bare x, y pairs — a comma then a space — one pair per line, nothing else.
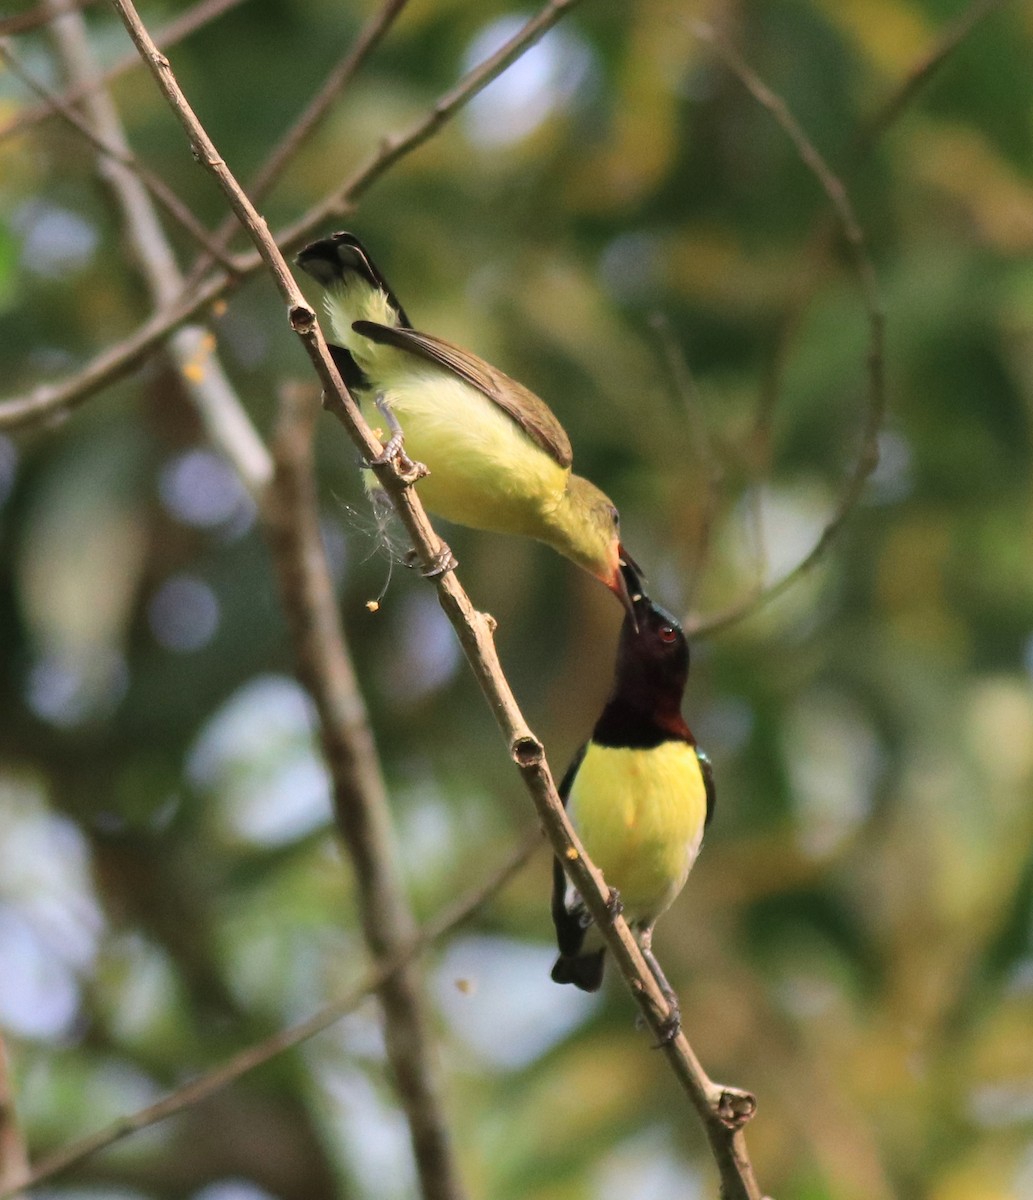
640, 793
498, 458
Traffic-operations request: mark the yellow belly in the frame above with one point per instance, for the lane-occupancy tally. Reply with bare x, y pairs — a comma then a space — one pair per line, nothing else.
640, 815
484, 470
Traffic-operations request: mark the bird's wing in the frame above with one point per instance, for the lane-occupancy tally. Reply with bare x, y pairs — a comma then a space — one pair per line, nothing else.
349, 370
708, 783
570, 931
533, 415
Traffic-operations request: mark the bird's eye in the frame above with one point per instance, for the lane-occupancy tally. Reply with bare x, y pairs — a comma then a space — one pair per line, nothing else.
668, 634
616, 517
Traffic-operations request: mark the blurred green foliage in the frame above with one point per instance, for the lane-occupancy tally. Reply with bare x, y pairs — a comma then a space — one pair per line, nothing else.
855, 941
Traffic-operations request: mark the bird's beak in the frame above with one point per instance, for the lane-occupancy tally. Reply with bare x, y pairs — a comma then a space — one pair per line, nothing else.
627, 584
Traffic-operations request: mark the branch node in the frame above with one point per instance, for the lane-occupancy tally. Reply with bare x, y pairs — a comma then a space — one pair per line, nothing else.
410, 471
734, 1107
302, 318
527, 751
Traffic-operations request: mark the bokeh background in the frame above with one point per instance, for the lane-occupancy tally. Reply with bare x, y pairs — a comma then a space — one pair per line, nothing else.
854, 944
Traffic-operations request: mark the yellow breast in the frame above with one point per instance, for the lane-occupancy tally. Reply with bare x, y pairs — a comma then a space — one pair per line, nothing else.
640, 815
484, 470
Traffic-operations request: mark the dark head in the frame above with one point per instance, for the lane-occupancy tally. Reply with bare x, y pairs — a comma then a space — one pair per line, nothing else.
644, 707
331, 260
652, 656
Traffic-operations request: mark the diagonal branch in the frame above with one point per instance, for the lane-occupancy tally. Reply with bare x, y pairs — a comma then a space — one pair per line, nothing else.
257, 1055
157, 186
226, 421
821, 242
340, 76
949, 40
868, 455
723, 1111
708, 463
111, 364
391, 149
175, 31
14, 1161
33, 19
361, 808
292, 524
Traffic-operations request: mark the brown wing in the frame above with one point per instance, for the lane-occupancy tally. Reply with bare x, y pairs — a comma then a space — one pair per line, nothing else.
533, 415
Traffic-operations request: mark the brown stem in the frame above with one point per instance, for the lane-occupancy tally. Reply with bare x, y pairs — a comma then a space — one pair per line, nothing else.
14, 1160
868, 455
360, 798
723, 1110
270, 171
200, 1089
183, 26
157, 186
33, 19
114, 362
227, 423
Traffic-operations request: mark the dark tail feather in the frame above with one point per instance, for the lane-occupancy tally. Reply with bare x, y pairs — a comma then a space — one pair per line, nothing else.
584, 971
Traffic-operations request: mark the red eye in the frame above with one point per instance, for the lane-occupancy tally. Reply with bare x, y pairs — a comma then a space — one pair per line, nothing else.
667, 634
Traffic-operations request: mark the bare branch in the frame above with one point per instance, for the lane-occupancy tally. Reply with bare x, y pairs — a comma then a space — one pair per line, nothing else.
950, 39
14, 1160
192, 348
338, 79
360, 797
34, 18
260, 1053
157, 186
175, 31
392, 149
820, 242
868, 455
359, 791
707, 461
48, 399
723, 1110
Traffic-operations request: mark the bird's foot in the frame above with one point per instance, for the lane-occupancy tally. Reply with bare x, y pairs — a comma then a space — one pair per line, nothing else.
443, 561
614, 904
670, 1027
409, 470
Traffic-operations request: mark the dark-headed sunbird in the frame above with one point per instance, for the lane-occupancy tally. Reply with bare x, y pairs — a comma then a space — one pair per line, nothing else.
498, 459
640, 794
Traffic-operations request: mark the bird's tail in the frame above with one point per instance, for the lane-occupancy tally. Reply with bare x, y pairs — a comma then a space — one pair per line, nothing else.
584, 971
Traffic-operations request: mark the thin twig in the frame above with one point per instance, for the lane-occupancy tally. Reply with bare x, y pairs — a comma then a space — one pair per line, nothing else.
33, 19
192, 348
707, 460
340, 76
393, 148
359, 791
14, 1159
168, 35
257, 1055
949, 40
111, 364
157, 186
723, 1111
868, 455
820, 244
360, 798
